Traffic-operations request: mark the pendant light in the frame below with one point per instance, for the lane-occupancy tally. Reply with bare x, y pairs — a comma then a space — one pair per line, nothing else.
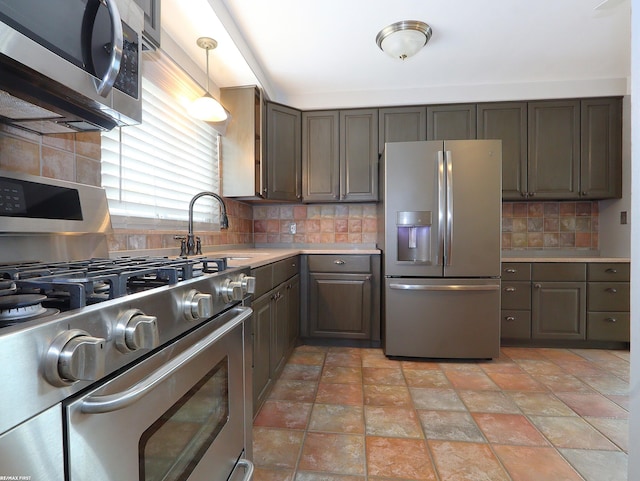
403, 39
206, 107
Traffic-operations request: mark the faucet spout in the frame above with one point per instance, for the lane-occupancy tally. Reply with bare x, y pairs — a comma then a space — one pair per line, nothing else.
224, 220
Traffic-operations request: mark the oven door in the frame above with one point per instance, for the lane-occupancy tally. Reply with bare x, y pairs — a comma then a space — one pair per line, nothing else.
177, 415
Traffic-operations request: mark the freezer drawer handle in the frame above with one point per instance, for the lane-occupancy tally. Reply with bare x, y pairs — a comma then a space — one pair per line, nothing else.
450, 287
114, 402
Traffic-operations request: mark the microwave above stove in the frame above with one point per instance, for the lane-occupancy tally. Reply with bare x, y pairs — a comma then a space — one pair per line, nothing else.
70, 65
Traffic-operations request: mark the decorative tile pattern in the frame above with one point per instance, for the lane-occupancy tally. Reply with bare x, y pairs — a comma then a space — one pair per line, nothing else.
511, 419
550, 225
315, 224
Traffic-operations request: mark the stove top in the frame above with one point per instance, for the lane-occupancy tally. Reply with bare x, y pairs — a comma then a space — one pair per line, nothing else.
31, 290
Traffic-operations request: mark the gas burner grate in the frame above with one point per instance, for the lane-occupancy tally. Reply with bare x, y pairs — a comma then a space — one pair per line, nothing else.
76, 284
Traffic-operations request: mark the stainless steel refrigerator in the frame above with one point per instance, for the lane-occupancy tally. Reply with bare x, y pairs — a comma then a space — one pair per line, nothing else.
441, 205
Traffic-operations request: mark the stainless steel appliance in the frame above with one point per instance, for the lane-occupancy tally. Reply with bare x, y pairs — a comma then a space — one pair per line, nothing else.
70, 65
135, 368
441, 242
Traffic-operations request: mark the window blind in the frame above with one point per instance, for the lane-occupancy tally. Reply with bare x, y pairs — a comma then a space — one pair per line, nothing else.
151, 171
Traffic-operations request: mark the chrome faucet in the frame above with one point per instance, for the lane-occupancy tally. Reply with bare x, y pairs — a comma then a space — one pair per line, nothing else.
193, 243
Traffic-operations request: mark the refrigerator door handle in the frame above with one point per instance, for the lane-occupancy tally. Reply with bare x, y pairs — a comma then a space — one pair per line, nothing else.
441, 203
448, 242
450, 287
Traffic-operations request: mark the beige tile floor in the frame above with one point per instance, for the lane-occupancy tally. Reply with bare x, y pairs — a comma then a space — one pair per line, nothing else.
349, 414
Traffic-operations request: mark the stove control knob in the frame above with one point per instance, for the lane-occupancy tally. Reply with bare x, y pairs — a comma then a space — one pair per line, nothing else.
236, 290
197, 305
135, 330
73, 356
248, 284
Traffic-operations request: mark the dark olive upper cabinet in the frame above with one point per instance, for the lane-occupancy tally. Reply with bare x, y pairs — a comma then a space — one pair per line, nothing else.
554, 149
283, 159
359, 155
559, 301
401, 124
321, 156
151, 9
600, 148
451, 122
507, 121
340, 156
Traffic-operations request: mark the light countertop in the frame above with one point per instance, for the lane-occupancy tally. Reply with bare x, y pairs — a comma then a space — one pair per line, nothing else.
258, 256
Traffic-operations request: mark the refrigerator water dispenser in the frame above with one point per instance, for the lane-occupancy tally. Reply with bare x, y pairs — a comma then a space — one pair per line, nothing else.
414, 239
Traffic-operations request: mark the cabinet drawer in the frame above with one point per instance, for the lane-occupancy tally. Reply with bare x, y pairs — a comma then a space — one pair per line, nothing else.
608, 326
559, 271
264, 279
285, 269
516, 271
515, 324
608, 296
608, 272
516, 295
339, 263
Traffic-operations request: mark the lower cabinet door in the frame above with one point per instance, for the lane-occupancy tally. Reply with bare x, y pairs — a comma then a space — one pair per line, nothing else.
340, 305
261, 350
558, 310
608, 326
293, 327
515, 324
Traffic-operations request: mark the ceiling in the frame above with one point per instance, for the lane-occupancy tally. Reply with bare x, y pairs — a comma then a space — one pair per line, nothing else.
322, 54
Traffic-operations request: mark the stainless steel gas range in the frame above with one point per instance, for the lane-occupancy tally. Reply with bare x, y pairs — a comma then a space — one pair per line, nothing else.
134, 368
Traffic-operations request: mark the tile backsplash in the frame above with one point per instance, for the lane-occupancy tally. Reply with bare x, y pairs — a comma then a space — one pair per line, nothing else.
315, 224
550, 225
76, 158
72, 157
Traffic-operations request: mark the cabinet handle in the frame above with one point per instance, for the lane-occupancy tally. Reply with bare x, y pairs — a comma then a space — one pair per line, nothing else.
531, 194
611, 290
338, 262
611, 271
610, 319
511, 270
537, 286
510, 318
509, 289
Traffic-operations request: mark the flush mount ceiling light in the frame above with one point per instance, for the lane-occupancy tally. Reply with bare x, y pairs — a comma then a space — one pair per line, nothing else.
206, 107
403, 39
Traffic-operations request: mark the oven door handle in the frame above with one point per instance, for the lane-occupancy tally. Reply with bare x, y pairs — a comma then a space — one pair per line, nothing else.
114, 402
248, 467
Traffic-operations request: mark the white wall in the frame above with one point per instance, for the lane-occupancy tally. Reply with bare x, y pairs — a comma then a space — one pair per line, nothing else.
634, 387
615, 238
